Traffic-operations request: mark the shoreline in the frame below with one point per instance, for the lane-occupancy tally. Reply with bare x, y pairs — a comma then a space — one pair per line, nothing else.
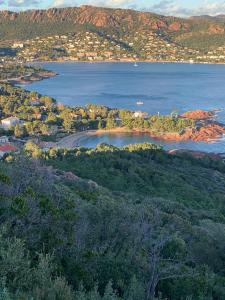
125, 61
74, 140
34, 77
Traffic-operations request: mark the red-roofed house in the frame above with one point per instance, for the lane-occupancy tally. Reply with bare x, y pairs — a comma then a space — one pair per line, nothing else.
6, 148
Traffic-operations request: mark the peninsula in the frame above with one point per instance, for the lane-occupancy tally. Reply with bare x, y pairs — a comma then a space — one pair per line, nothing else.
22, 74
198, 129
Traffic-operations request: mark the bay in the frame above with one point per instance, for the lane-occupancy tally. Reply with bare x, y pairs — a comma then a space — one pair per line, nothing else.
162, 87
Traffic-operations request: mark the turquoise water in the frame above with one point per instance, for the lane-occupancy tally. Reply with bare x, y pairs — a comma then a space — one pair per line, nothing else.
161, 87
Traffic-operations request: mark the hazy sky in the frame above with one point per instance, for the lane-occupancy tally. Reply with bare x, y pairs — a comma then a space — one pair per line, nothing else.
167, 7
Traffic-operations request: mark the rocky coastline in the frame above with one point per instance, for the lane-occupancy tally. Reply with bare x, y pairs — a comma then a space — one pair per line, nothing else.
28, 79
207, 131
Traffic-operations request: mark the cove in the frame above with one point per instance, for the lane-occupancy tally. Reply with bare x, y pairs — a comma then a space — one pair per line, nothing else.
162, 88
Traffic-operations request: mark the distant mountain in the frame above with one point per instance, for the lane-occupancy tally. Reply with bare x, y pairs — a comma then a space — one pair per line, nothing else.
197, 32
220, 16
217, 17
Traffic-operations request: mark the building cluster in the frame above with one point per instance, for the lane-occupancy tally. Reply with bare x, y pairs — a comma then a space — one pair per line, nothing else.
153, 46
214, 55
10, 122
92, 46
78, 47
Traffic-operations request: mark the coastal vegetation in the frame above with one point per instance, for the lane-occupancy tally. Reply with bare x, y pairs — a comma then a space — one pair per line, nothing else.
41, 114
117, 224
140, 168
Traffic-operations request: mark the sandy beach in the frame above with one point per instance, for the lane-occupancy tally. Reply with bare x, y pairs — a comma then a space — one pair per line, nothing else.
74, 140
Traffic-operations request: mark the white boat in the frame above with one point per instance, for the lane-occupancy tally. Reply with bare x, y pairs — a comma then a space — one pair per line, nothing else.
135, 64
139, 102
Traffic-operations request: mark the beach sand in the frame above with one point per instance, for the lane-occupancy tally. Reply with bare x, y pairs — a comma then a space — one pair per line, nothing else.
74, 140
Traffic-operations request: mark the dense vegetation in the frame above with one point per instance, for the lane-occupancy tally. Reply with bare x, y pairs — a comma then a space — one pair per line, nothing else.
137, 169
154, 231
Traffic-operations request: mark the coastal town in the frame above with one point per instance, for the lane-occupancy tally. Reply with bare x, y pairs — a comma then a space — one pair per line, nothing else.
93, 46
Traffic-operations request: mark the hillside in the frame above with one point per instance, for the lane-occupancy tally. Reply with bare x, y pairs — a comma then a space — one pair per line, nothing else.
154, 231
140, 170
30, 24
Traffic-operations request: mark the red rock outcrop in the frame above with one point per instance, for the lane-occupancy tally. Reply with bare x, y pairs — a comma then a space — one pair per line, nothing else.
205, 133
198, 115
216, 29
99, 17
209, 132
176, 26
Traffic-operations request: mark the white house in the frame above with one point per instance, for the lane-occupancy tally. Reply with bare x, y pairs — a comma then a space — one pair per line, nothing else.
10, 122
140, 114
4, 139
18, 45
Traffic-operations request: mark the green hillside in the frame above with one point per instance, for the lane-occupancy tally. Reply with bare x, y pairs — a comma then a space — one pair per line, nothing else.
152, 227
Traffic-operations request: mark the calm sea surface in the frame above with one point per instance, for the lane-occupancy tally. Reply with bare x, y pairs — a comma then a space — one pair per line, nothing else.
162, 87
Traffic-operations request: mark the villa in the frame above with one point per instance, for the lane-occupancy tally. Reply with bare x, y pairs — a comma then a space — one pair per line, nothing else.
18, 45
10, 122
140, 114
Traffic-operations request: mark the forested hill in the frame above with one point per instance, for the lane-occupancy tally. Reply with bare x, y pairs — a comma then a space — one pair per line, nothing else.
151, 228
191, 32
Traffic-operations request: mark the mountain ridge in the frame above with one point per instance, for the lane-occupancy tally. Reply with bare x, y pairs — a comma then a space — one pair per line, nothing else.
191, 32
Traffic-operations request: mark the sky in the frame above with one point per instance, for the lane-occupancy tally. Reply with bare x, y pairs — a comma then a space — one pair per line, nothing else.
182, 8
